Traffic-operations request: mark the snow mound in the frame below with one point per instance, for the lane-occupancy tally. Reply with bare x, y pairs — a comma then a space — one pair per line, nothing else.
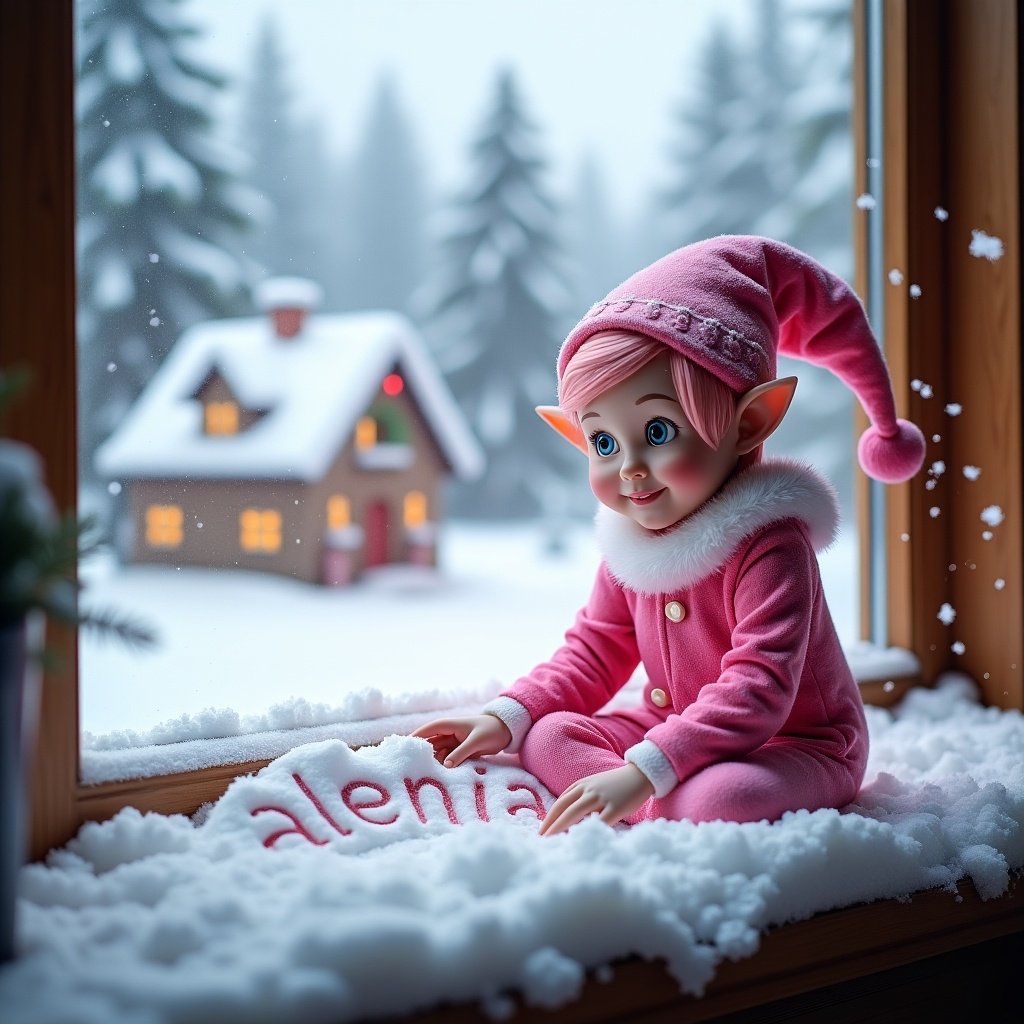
347, 885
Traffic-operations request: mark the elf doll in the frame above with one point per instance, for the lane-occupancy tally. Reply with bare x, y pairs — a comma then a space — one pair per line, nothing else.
709, 576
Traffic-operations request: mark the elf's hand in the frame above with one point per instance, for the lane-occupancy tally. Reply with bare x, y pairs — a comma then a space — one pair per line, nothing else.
615, 794
455, 739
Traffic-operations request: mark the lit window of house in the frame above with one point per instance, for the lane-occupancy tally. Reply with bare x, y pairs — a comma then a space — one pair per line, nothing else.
339, 512
164, 526
366, 432
222, 417
260, 530
414, 512
384, 422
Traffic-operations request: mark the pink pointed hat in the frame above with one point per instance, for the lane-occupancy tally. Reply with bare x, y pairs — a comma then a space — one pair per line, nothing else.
734, 302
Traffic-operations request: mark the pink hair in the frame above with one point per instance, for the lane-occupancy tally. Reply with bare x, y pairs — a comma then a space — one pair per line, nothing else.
609, 357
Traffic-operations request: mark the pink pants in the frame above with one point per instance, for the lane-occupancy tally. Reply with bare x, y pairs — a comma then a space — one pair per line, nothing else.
564, 747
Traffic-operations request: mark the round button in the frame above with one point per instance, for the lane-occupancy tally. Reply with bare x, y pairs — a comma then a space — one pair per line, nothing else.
675, 611
659, 697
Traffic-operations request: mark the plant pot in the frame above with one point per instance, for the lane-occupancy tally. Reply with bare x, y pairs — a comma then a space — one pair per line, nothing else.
18, 705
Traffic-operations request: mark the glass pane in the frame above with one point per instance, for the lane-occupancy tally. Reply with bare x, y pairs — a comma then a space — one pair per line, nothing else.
327, 252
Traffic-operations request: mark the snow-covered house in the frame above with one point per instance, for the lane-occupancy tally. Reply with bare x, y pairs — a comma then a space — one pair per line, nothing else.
306, 444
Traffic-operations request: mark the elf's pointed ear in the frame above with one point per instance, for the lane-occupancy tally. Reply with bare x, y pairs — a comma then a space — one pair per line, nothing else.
565, 425
761, 410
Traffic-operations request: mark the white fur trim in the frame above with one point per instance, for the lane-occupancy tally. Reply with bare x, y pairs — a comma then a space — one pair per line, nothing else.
654, 563
648, 757
514, 715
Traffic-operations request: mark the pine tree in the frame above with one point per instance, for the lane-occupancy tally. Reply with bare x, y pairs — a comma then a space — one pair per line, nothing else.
763, 143
384, 227
284, 236
822, 147
496, 310
763, 147
157, 203
594, 238
718, 178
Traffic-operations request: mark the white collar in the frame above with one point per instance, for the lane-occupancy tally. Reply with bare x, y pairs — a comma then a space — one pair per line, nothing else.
653, 563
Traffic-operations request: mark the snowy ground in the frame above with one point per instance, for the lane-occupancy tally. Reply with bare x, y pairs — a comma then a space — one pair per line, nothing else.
328, 888
244, 653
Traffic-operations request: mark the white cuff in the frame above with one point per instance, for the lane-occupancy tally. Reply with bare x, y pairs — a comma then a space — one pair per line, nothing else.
514, 715
648, 757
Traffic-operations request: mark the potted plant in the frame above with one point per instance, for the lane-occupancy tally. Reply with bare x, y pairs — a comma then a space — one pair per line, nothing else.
39, 555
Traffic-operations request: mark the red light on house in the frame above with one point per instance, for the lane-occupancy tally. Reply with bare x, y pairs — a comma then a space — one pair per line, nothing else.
393, 385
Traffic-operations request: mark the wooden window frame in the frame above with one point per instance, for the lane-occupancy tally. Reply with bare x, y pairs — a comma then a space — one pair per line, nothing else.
944, 105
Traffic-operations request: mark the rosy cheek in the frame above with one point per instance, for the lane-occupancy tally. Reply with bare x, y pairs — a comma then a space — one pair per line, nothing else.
681, 467
604, 481
692, 462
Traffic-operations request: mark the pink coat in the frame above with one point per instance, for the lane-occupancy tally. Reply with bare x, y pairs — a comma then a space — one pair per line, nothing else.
726, 612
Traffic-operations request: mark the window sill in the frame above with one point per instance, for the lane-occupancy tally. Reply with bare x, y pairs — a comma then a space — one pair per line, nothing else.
390, 457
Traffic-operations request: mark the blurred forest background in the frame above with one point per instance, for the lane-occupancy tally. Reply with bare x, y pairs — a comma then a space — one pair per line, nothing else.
183, 209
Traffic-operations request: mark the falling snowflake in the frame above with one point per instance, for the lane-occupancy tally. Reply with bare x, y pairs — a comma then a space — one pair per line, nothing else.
154, 257
895, 276
938, 467
926, 391
985, 246
936, 438
866, 201
947, 614
154, 321
987, 534
941, 213
904, 537
888, 686
915, 291
957, 647
992, 515
954, 408
873, 161
930, 485
972, 472
114, 488
111, 367
935, 512
999, 583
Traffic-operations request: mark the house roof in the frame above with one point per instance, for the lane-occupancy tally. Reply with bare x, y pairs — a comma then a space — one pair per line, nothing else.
313, 386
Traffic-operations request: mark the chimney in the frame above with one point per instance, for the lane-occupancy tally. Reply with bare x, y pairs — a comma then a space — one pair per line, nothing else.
288, 300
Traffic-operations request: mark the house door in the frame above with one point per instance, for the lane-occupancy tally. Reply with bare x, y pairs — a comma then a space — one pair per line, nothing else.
378, 522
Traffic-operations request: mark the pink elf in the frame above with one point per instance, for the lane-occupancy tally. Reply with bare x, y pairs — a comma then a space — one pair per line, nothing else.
709, 574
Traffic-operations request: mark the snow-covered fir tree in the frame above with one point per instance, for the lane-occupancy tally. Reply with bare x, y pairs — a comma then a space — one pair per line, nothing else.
762, 142
717, 180
287, 224
158, 202
820, 104
594, 238
384, 224
496, 312
762, 146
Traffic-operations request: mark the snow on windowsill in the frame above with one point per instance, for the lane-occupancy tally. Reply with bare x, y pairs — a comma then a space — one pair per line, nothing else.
222, 736
386, 456
120, 764
868, 661
350, 911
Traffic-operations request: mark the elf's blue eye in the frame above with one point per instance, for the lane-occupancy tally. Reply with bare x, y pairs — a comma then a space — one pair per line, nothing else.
604, 444
661, 431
